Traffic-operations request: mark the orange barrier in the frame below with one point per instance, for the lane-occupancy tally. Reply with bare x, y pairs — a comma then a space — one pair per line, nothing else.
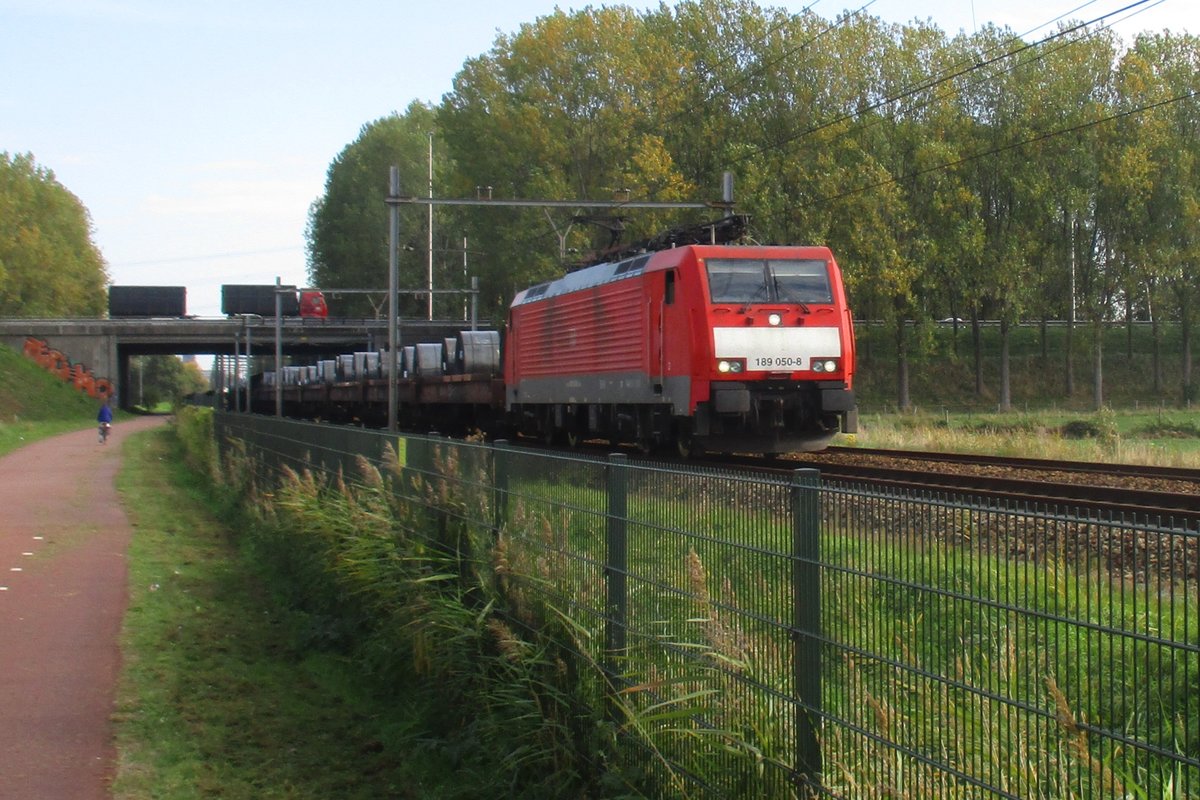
58, 364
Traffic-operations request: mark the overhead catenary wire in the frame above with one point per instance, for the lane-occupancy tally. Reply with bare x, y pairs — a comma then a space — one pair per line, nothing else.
747, 75
1015, 145
927, 85
951, 73
1140, 6
1040, 54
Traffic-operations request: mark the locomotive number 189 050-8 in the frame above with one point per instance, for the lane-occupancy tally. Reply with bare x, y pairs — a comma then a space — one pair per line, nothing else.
777, 362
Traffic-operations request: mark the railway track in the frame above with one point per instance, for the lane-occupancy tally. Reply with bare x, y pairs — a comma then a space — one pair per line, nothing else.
1103, 474
1155, 496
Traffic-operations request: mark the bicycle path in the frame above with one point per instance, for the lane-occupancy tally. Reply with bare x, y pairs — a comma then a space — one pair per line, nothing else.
63, 592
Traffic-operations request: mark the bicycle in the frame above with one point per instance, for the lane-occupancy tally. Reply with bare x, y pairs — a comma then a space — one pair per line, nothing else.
105, 427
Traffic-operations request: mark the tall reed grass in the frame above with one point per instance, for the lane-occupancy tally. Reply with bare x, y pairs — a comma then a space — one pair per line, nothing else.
959, 653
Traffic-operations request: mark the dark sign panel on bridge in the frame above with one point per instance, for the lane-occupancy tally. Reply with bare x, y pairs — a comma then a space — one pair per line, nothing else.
258, 299
147, 301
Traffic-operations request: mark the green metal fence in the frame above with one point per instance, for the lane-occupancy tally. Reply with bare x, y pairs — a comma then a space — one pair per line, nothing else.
757, 637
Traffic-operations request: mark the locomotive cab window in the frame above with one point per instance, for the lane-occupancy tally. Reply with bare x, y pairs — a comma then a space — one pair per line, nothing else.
749, 281
669, 288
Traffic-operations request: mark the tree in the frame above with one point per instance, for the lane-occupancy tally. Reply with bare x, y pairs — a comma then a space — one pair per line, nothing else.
347, 230
49, 266
1153, 182
569, 107
972, 176
1071, 239
1007, 183
163, 379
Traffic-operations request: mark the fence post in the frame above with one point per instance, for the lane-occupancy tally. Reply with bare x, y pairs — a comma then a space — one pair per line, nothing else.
616, 566
499, 485
806, 622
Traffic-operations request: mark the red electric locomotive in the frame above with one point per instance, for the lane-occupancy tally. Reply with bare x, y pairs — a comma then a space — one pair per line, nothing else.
708, 347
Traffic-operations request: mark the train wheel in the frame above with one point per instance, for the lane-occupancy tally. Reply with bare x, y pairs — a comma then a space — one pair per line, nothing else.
643, 432
546, 431
685, 442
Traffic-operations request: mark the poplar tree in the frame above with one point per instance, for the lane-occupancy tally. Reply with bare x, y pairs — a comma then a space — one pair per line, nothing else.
49, 265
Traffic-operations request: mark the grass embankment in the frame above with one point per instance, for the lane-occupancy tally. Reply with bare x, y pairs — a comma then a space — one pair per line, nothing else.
219, 697
35, 404
954, 620
1146, 436
386, 620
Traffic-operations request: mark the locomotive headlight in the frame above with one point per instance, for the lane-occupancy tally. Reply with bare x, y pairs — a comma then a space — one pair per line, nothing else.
825, 365
775, 319
731, 366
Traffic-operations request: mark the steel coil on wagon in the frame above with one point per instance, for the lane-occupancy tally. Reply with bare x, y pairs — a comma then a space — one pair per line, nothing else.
478, 352
408, 360
429, 358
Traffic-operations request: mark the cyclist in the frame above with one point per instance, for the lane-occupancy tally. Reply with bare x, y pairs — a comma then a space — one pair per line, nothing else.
105, 419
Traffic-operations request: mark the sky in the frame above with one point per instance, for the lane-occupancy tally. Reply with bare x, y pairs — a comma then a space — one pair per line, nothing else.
198, 134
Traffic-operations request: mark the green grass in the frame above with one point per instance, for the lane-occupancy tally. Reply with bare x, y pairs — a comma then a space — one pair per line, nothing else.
220, 698
1146, 436
950, 608
1056, 657
230, 692
942, 621
35, 404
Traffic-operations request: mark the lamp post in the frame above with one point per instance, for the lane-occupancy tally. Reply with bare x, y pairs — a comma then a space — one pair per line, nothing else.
278, 348
237, 372
246, 323
393, 285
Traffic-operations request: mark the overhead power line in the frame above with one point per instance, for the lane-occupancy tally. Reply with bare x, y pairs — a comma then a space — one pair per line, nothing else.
1040, 54
929, 84
1015, 145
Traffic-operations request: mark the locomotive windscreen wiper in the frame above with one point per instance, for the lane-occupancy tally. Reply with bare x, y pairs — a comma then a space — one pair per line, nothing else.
780, 296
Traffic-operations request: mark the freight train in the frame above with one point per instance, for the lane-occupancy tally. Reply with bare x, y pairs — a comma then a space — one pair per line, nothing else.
726, 348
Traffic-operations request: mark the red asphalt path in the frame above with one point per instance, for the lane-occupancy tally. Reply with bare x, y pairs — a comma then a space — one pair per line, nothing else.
63, 543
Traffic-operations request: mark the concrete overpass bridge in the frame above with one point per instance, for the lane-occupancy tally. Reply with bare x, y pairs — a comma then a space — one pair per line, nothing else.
104, 346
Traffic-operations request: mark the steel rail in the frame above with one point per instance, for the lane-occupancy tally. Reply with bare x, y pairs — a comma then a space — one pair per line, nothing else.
1143, 506
1039, 464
